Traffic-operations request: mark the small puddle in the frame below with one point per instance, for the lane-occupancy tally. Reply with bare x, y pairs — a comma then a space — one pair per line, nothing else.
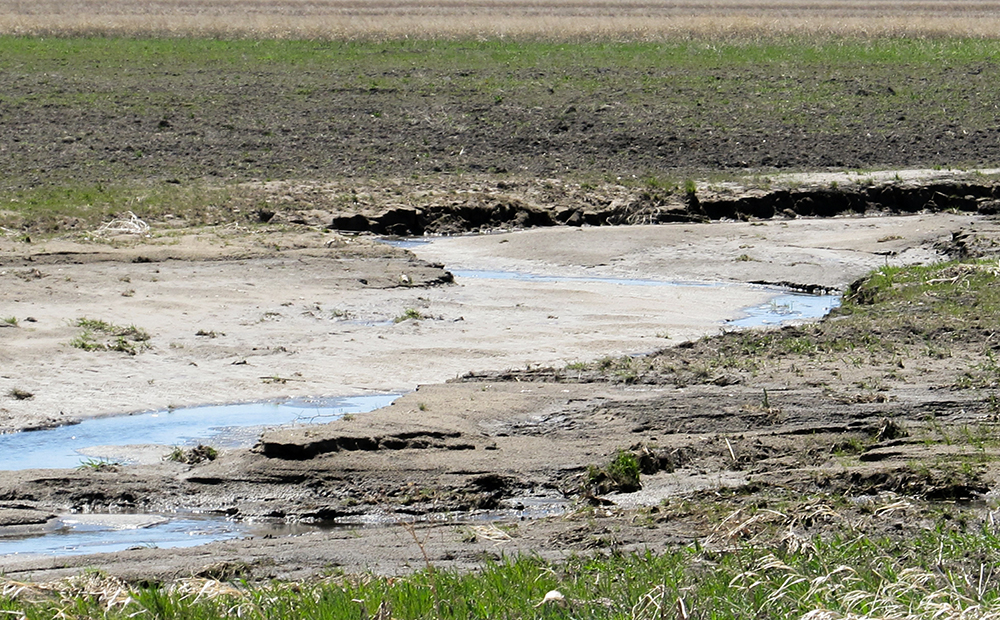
407, 243
218, 425
787, 308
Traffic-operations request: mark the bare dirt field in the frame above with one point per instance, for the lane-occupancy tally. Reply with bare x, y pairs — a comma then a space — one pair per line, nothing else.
212, 131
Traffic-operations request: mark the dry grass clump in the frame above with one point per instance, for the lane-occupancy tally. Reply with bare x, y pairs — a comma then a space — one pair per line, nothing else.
109, 592
128, 224
112, 593
561, 19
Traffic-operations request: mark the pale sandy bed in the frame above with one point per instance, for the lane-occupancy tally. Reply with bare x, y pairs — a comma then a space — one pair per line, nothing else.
302, 331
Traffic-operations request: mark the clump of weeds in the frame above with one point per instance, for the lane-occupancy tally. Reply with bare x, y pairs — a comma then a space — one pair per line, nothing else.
100, 464
198, 454
408, 315
97, 335
620, 474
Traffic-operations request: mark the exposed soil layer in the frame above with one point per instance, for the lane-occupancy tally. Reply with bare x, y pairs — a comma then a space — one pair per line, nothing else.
489, 211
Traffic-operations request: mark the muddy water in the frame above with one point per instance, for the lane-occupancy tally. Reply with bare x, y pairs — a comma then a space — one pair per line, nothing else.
787, 308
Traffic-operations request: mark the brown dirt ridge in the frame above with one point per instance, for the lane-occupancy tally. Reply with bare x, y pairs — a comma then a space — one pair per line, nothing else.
498, 210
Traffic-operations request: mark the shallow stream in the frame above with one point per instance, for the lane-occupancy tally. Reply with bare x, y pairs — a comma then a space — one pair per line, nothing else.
784, 307
125, 439
105, 533
143, 437
220, 426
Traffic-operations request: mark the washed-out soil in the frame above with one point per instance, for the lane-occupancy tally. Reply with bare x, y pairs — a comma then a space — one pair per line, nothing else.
520, 461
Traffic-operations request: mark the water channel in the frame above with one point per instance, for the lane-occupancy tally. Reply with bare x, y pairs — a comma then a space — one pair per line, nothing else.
235, 425
221, 426
783, 308
114, 439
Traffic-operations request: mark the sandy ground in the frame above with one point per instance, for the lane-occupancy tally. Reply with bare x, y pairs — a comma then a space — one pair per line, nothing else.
300, 321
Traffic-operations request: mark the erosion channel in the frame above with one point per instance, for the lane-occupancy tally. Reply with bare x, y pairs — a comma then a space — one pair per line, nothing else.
516, 388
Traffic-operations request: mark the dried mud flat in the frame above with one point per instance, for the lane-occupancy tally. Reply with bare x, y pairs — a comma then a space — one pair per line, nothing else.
822, 439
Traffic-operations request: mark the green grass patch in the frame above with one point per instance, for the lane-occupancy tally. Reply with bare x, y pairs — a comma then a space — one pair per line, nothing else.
620, 473
114, 54
945, 289
80, 206
99, 464
933, 575
98, 335
410, 314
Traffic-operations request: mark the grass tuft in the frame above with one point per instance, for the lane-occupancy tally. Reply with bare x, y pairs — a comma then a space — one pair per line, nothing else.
20, 394
98, 335
410, 314
620, 474
198, 454
100, 464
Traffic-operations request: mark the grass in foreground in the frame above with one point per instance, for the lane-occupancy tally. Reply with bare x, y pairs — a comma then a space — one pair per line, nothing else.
940, 574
